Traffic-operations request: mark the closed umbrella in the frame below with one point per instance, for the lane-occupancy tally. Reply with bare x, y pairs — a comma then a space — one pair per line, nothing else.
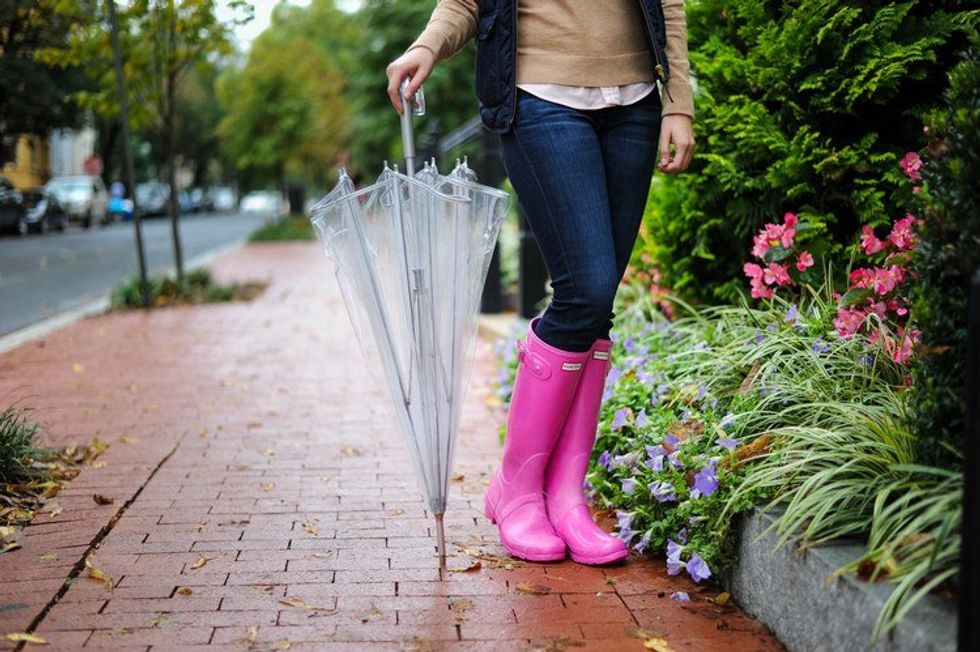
411, 254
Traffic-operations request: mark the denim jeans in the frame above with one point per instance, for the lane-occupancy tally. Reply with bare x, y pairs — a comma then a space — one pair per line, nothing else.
583, 177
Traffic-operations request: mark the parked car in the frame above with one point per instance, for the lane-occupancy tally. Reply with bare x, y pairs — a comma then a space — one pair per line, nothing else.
185, 202
201, 200
262, 201
11, 206
42, 212
223, 198
152, 198
83, 197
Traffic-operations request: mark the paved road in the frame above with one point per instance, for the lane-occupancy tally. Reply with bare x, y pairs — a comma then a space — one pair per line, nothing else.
44, 275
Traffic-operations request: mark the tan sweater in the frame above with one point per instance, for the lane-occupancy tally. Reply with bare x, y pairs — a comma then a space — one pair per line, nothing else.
577, 43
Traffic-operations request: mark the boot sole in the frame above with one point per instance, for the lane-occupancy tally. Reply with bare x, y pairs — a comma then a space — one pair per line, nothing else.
488, 512
599, 561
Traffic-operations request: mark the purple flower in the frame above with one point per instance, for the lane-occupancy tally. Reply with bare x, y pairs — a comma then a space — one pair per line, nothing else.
705, 482
629, 344
792, 314
663, 492
674, 550
624, 520
868, 360
628, 460
654, 451
674, 566
605, 460
672, 440
655, 463
680, 596
620, 420
645, 377
727, 421
682, 535
641, 419
702, 390
759, 337
702, 346
628, 486
820, 346
643, 543
674, 462
727, 443
697, 569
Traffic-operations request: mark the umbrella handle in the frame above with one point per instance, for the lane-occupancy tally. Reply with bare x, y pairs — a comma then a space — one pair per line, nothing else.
408, 135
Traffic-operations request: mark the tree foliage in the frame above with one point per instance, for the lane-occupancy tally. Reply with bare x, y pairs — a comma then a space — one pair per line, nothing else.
803, 106
948, 257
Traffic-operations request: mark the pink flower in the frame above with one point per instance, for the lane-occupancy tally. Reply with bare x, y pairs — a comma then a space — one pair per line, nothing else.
776, 273
752, 270
912, 164
804, 261
862, 277
848, 321
790, 219
903, 233
870, 242
897, 307
899, 348
760, 245
886, 279
759, 289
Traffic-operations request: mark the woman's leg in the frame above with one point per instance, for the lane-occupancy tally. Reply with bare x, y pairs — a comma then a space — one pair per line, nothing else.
629, 139
554, 158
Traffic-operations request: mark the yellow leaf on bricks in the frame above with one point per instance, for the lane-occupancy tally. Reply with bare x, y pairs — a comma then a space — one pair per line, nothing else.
722, 598
27, 638
657, 645
97, 574
77, 367
201, 561
103, 500
533, 589
300, 603
310, 528
283, 644
186, 590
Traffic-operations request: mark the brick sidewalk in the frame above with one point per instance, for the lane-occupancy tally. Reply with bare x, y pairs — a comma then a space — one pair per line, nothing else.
262, 499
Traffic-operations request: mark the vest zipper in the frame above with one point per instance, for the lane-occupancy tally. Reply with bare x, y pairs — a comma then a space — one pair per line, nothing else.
653, 44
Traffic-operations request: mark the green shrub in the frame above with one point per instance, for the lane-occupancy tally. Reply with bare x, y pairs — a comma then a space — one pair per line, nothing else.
948, 257
197, 286
803, 106
287, 227
17, 450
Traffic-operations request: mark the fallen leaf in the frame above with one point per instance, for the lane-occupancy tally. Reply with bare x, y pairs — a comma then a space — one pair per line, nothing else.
300, 603
201, 561
7, 547
77, 367
253, 424
98, 465
310, 527
721, 598
251, 634
323, 555
97, 574
472, 568
459, 607
495, 561
103, 500
458, 478
27, 638
533, 589
282, 644
48, 557
186, 590
397, 512
350, 451
268, 486
371, 614
325, 478
269, 452
611, 581
55, 510
657, 645
126, 439
200, 526
7, 531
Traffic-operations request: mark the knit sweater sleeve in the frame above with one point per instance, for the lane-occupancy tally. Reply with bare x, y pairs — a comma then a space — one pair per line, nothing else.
451, 26
679, 85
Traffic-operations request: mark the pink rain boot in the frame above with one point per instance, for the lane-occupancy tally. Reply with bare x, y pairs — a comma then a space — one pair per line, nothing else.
546, 380
567, 509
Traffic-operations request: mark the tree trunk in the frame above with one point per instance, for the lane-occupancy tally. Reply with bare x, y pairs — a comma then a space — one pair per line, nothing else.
170, 136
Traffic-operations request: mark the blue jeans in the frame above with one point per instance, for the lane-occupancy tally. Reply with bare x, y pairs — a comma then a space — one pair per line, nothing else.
583, 179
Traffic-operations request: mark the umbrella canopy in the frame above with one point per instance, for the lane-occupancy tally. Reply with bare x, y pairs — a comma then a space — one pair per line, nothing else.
411, 255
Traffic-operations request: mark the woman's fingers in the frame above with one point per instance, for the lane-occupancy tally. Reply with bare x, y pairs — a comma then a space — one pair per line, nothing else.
665, 157
416, 64
676, 132
418, 77
396, 73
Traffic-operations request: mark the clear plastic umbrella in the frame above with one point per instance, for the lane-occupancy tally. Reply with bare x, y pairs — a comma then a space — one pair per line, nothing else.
411, 255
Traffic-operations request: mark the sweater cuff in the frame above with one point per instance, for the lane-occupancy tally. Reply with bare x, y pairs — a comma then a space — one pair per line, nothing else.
683, 99
432, 39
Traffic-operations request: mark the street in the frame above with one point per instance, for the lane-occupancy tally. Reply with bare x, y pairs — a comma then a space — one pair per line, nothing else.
44, 275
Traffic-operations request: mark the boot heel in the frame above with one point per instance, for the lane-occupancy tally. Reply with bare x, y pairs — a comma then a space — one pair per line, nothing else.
488, 512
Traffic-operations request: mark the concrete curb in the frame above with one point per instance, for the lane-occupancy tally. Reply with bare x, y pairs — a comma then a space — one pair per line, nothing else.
808, 609
98, 306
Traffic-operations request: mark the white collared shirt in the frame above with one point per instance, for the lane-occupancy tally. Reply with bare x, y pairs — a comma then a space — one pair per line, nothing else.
590, 97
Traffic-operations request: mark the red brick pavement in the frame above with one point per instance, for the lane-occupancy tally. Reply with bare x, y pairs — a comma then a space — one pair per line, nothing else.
262, 496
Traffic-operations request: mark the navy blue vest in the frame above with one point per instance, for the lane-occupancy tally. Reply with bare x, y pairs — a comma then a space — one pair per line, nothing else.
496, 57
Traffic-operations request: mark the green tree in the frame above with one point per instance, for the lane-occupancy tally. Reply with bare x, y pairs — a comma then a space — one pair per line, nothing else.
948, 257
390, 26
36, 96
803, 106
285, 113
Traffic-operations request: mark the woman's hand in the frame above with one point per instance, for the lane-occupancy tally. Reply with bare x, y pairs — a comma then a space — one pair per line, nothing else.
417, 63
676, 129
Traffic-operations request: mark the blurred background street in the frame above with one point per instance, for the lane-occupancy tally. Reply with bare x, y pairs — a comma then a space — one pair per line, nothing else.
42, 276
